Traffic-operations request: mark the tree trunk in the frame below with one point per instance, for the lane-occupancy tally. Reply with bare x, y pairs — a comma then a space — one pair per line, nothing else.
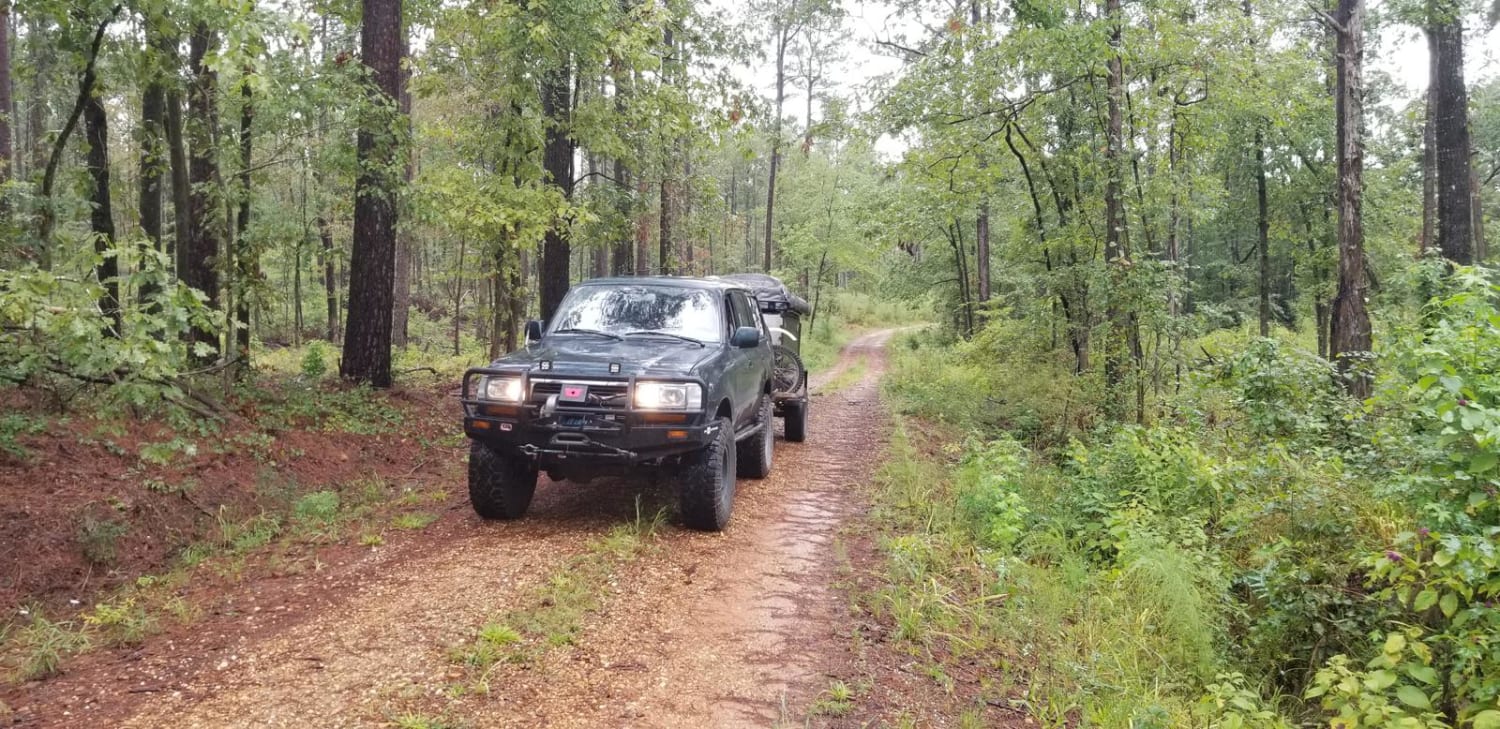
182, 186
330, 278
246, 260
86, 90
1124, 352
1349, 331
557, 159
1429, 152
783, 37
7, 146
982, 251
153, 162
458, 298
642, 235
102, 220
622, 262
37, 111
1262, 230
1481, 247
664, 230
367, 335
401, 302
1455, 234
198, 259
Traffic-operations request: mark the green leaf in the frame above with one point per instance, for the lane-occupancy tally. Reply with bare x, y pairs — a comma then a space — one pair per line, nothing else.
1487, 719
1425, 599
1413, 697
1425, 674
1377, 681
1482, 461
1449, 604
1395, 643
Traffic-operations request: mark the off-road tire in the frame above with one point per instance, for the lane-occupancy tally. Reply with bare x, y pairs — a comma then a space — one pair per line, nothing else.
707, 482
753, 455
794, 420
500, 487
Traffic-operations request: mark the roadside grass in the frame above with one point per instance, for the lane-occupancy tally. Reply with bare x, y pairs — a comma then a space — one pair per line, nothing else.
843, 380
1185, 573
554, 612
1050, 635
836, 700
412, 720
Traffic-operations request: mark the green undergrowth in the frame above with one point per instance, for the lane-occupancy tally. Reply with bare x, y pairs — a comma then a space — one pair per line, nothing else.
1264, 553
552, 614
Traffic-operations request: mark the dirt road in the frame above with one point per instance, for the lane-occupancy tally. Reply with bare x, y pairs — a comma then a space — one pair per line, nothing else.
730, 629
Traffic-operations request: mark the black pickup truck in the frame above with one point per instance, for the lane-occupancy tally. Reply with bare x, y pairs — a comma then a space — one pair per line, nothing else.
671, 373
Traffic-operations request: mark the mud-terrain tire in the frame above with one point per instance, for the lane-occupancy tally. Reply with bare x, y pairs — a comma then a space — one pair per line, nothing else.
753, 455
794, 420
707, 482
499, 487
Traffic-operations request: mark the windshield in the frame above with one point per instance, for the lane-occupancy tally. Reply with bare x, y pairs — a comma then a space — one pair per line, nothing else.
623, 309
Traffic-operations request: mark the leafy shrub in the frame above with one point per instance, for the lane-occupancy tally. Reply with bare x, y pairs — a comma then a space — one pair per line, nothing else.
314, 363
989, 495
41, 645
53, 331
1283, 393
99, 539
123, 622
318, 508
16, 424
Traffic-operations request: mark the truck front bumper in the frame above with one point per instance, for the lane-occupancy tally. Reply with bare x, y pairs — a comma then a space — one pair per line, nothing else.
579, 433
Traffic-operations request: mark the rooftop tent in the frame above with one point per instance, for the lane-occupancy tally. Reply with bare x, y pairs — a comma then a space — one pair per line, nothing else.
773, 295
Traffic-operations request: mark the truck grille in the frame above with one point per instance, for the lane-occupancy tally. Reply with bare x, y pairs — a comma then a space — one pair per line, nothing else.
611, 396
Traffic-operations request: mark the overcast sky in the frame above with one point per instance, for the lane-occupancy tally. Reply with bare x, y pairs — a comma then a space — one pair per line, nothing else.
1399, 51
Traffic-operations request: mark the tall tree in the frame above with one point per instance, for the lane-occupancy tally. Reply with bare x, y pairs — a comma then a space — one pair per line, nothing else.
367, 336
787, 22
1125, 349
1455, 212
401, 305
7, 147
198, 259
153, 162
246, 259
557, 160
86, 78
1349, 332
1429, 151
102, 220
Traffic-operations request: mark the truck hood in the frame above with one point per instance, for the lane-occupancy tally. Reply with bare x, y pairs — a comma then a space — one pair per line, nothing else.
585, 355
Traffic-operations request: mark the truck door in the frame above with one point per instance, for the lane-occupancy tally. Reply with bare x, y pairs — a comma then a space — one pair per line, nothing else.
744, 374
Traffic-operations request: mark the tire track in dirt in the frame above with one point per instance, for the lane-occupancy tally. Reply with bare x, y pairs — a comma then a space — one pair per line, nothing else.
725, 629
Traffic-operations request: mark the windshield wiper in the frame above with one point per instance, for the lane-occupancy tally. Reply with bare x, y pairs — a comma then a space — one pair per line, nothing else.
660, 333
595, 332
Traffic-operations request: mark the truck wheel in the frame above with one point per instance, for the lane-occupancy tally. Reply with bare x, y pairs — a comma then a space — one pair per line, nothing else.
795, 420
753, 454
707, 494
500, 487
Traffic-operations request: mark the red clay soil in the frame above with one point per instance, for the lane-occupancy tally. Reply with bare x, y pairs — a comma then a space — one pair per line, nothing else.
83, 471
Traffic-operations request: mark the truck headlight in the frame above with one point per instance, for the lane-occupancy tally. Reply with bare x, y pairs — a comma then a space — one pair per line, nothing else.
668, 396
503, 389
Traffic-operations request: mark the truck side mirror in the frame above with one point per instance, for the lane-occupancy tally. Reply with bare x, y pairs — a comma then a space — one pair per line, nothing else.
533, 331
745, 337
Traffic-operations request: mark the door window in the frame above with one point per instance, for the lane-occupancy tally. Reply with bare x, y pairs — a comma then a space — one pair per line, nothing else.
744, 315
